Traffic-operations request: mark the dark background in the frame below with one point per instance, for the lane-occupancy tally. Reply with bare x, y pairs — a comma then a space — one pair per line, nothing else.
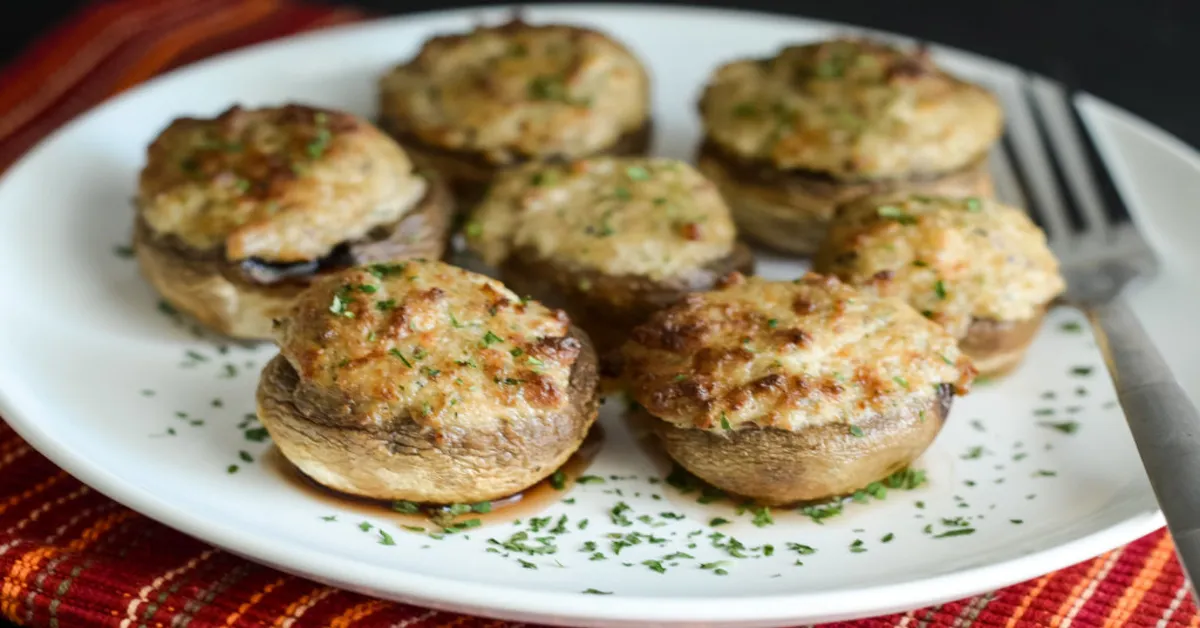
1140, 54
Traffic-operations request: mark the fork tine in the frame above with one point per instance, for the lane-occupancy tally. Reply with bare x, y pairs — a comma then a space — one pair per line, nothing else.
1035, 167
1114, 204
1050, 100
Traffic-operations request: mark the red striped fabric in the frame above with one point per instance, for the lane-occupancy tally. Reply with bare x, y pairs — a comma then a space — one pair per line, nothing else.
71, 557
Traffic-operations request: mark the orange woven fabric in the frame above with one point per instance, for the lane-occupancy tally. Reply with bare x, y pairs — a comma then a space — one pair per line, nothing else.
71, 557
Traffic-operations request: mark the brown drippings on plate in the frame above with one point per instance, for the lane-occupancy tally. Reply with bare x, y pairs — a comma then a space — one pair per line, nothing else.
438, 518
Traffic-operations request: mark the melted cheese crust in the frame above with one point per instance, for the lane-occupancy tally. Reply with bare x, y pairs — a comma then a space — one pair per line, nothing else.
282, 184
519, 90
851, 109
788, 355
428, 341
954, 259
648, 217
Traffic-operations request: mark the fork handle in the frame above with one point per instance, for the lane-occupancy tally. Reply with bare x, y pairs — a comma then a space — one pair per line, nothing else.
1164, 423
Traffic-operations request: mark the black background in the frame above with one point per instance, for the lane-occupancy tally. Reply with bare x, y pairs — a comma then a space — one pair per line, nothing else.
1142, 55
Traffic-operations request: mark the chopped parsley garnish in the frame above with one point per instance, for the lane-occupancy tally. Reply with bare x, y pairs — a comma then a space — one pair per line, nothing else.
490, 339
1066, 427
1072, 327
380, 271
856, 431
547, 177
762, 517
655, 566
338, 306
819, 513
558, 480
396, 353
973, 204
463, 525
955, 532
329, 518
901, 381
637, 173
939, 288
973, 453
385, 538
725, 422
1081, 371
617, 514
887, 538
231, 469
458, 509
245, 456
317, 146
406, 507
385, 305
622, 193
800, 548
257, 435
596, 592
547, 88
589, 479
718, 521
773, 323
895, 213
123, 251
1042, 473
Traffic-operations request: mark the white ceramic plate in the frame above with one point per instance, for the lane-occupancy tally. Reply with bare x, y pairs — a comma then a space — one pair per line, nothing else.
93, 375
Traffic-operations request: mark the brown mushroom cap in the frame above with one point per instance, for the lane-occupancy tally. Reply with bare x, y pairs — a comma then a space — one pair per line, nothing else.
425, 382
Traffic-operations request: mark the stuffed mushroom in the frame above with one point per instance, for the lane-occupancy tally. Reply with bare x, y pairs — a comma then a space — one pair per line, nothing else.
792, 391
472, 104
237, 214
790, 138
424, 382
977, 267
608, 239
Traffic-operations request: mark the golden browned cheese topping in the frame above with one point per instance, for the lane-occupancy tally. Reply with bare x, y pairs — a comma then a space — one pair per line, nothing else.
849, 108
429, 341
953, 259
651, 217
788, 355
519, 90
280, 184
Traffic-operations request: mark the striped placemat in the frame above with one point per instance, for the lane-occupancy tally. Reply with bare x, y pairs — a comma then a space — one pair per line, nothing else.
71, 557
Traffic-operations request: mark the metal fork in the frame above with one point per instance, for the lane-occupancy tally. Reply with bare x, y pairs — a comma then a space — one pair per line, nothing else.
1068, 192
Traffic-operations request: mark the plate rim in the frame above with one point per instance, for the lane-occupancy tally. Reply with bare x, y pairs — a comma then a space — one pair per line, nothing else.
523, 603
